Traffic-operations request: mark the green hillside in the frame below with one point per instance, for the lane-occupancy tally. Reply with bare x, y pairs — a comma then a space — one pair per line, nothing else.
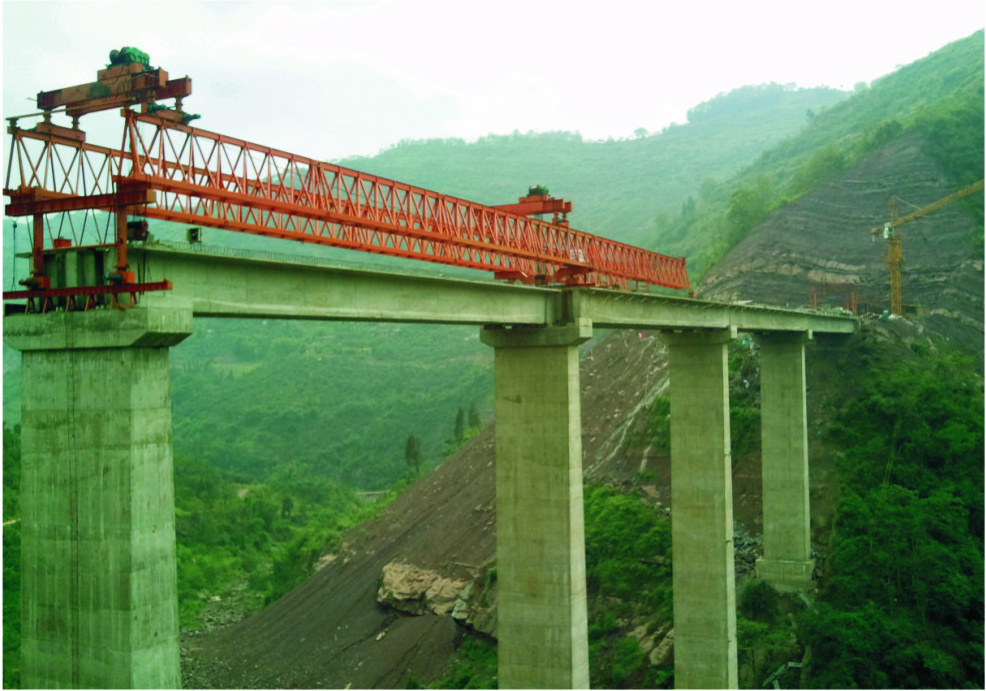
616, 187
940, 96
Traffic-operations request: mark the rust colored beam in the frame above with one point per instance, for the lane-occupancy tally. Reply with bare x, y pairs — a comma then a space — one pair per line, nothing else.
539, 204
88, 290
124, 84
212, 180
22, 204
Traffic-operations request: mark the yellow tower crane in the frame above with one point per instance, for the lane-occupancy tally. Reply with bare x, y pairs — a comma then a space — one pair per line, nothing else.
891, 233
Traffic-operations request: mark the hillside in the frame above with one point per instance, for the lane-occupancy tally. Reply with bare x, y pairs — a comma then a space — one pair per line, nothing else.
444, 525
824, 237
617, 187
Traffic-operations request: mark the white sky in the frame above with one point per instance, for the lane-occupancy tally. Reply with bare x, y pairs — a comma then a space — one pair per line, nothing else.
332, 79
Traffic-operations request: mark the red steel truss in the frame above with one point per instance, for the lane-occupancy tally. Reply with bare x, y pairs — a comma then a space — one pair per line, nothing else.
173, 172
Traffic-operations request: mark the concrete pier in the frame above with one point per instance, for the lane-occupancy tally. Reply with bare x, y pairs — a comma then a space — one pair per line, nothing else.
98, 599
702, 511
542, 618
787, 562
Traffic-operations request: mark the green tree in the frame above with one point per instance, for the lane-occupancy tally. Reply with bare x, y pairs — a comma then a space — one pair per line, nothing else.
412, 453
460, 425
902, 605
748, 206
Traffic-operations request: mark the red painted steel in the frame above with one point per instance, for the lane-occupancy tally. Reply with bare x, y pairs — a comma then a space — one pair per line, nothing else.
88, 290
45, 300
208, 179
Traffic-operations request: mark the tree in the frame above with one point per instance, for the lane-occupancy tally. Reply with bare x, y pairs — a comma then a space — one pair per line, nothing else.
475, 422
688, 208
412, 453
749, 206
460, 425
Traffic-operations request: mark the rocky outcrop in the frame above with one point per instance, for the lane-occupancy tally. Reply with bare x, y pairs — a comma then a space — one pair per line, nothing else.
413, 590
663, 652
476, 606
657, 646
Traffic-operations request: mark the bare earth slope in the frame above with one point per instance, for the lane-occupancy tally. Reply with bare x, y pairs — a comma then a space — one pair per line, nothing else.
331, 632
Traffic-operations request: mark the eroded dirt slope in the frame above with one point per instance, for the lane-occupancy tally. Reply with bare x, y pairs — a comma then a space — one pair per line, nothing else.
331, 633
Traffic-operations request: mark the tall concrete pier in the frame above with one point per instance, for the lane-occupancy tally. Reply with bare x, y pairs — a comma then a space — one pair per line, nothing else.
787, 561
99, 601
702, 567
541, 601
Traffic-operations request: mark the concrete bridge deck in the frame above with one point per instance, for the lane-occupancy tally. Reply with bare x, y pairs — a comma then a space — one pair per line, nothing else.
222, 285
99, 603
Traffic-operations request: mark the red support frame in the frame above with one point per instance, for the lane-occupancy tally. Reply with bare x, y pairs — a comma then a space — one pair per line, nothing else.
47, 297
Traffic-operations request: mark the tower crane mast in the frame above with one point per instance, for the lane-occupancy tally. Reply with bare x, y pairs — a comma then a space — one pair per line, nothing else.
891, 233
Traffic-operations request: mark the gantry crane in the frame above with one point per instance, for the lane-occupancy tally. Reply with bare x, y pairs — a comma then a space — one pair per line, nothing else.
891, 233
165, 169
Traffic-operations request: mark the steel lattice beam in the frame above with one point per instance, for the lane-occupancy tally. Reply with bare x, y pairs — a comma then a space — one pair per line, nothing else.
208, 179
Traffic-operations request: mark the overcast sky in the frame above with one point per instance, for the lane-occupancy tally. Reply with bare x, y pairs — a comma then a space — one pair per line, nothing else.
332, 79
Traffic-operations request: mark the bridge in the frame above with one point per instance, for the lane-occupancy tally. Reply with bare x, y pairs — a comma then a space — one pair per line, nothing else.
99, 603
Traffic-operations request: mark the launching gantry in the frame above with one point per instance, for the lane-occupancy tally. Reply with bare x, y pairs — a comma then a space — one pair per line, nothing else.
167, 170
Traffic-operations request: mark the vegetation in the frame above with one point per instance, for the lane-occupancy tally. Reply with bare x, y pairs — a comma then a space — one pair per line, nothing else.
939, 98
902, 604
256, 540
473, 667
628, 578
764, 637
331, 404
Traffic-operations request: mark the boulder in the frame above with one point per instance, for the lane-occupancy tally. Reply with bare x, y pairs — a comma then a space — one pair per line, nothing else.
410, 589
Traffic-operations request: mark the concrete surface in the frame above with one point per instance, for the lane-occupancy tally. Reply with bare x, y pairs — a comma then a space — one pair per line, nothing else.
98, 602
703, 576
786, 562
242, 287
542, 623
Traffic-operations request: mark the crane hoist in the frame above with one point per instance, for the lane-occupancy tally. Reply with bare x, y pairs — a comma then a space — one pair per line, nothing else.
891, 233
166, 169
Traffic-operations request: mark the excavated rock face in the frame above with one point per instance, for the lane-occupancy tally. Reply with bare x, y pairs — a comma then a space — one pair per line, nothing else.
476, 605
824, 237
